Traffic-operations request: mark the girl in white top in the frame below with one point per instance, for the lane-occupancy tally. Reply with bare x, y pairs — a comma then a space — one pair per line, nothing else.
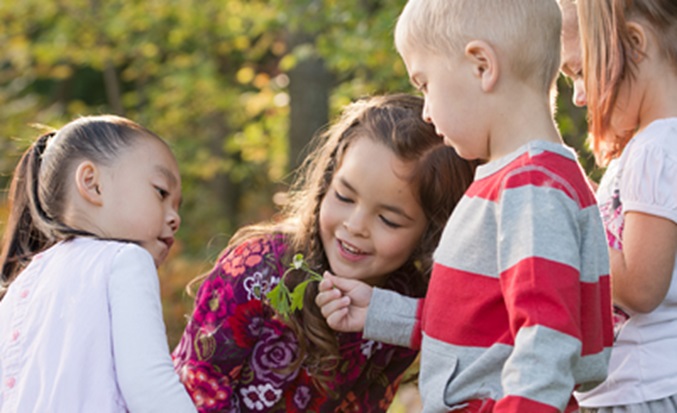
630, 69
94, 209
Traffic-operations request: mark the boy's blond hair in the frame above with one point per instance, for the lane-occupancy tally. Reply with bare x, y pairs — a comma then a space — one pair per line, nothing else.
525, 33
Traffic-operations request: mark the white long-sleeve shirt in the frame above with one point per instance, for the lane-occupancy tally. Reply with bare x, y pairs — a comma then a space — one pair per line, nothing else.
81, 330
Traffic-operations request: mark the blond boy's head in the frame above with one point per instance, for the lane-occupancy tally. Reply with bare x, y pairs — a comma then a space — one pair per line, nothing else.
524, 33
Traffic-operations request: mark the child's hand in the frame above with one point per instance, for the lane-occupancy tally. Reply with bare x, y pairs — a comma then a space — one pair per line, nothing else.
344, 302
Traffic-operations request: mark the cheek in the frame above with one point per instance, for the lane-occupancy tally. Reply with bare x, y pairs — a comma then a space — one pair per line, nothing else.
399, 248
326, 218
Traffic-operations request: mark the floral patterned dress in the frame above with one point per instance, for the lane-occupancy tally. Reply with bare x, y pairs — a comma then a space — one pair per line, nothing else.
233, 352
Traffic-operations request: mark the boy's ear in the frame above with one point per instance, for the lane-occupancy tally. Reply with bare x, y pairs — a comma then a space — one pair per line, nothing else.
485, 63
87, 182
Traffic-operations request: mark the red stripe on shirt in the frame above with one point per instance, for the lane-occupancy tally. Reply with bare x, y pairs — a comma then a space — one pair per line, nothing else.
543, 292
474, 322
596, 316
417, 332
516, 404
576, 188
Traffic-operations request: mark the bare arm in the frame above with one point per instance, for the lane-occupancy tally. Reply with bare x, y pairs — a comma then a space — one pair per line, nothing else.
641, 273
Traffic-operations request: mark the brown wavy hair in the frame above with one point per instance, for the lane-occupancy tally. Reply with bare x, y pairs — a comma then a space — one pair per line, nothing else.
440, 178
608, 59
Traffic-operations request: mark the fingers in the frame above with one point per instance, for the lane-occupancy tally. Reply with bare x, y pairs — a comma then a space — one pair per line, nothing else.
325, 285
331, 301
337, 319
343, 284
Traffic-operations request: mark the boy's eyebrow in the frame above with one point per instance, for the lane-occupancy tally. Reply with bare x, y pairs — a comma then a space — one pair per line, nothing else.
391, 208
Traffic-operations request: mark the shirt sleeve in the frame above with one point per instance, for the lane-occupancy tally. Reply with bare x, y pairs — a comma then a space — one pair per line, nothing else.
142, 361
649, 182
394, 319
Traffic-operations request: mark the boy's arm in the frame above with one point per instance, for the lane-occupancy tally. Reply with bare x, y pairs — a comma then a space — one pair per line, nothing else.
555, 310
351, 305
394, 318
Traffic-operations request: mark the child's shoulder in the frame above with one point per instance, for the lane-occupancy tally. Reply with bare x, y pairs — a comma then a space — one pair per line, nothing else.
659, 135
94, 247
253, 255
535, 166
261, 244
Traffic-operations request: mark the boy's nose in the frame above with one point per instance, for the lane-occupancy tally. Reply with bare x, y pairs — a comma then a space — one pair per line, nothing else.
579, 97
425, 114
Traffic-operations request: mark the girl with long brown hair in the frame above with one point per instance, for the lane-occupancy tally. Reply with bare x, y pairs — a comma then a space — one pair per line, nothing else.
370, 203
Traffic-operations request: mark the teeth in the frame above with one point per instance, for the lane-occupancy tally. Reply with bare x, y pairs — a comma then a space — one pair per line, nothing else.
350, 248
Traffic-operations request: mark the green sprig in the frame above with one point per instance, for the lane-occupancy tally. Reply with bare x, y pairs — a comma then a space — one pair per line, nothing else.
285, 301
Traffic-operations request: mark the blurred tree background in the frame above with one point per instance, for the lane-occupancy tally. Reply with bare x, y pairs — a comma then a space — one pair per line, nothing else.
238, 87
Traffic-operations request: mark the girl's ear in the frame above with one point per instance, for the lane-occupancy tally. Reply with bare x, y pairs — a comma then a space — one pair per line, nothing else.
638, 40
87, 182
485, 63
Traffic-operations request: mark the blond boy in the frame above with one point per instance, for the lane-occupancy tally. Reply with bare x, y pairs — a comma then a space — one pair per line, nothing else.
517, 313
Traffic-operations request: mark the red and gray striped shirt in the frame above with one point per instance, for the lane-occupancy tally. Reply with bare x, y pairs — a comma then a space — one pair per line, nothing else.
518, 311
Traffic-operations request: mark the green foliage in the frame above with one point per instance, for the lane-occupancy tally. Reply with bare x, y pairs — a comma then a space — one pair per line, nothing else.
284, 301
212, 78
209, 76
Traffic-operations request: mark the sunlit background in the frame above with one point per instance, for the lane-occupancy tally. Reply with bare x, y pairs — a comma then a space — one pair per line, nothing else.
238, 87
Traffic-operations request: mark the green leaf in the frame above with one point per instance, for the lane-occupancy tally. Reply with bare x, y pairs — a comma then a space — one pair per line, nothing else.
275, 296
298, 294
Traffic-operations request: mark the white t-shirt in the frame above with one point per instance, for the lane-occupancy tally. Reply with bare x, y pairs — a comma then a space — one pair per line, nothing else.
81, 330
643, 363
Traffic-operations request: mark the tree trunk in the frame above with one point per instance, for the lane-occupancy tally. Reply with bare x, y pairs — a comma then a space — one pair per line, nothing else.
310, 86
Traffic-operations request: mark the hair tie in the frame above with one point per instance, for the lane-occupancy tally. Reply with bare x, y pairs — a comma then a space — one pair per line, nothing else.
41, 144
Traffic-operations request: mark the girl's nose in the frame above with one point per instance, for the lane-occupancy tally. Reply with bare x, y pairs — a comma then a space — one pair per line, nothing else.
355, 223
174, 220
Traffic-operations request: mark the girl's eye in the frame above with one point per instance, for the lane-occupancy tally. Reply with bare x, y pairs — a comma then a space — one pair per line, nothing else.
341, 197
389, 223
162, 192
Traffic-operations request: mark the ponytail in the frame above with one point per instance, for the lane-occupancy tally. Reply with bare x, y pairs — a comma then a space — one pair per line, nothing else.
24, 236
38, 195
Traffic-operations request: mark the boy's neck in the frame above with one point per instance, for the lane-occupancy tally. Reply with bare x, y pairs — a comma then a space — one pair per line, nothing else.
518, 120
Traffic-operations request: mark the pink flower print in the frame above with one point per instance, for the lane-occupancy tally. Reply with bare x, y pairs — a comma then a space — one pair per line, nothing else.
256, 285
369, 347
302, 397
247, 323
351, 367
246, 255
612, 216
275, 350
217, 302
207, 387
260, 397
305, 397
620, 318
